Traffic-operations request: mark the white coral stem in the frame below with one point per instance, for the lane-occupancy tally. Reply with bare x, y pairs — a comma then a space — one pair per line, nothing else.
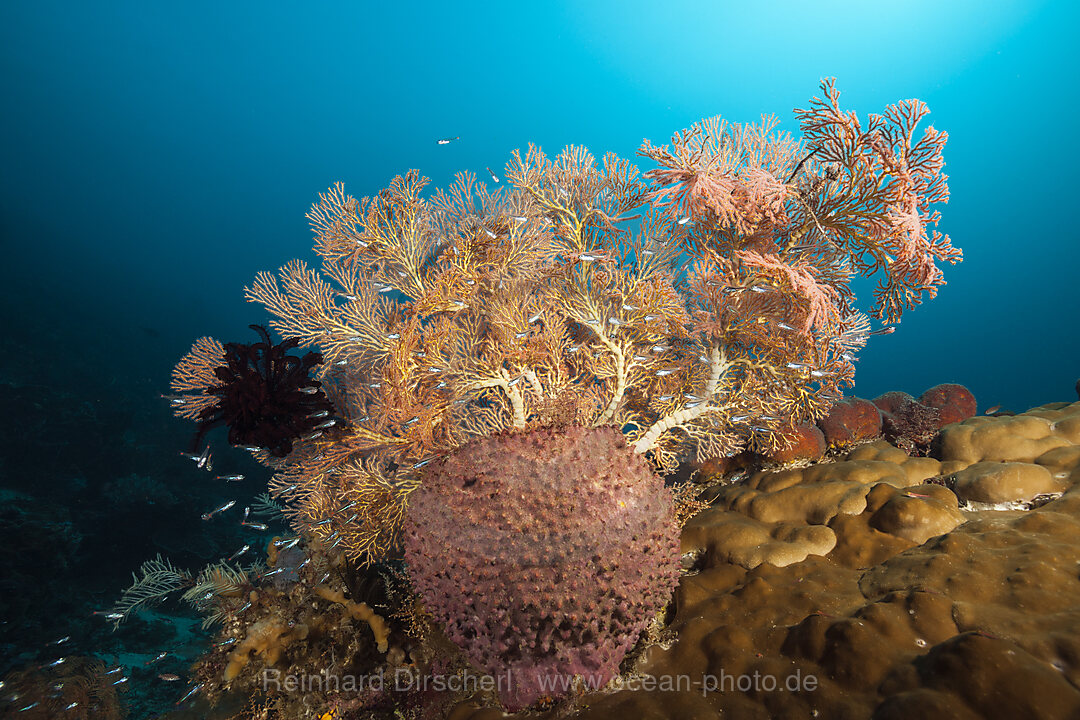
718, 364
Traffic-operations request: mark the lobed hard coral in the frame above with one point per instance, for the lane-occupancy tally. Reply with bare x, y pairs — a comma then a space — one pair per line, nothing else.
558, 583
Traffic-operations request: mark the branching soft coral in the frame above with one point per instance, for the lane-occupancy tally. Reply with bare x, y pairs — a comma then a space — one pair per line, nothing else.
880, 206
703, 307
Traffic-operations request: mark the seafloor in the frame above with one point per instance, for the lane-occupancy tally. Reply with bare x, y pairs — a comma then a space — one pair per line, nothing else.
869, 584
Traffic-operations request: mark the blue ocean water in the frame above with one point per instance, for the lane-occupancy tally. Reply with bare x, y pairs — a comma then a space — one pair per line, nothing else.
154, 157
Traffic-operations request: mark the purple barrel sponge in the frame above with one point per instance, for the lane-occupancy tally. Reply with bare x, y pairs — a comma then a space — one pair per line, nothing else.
543, 554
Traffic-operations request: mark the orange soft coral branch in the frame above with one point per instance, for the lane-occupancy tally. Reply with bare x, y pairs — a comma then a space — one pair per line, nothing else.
819, 300
883, 205
195, 374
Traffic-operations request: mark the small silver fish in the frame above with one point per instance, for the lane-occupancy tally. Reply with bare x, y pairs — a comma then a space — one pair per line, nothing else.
493, 175
239, 552
230, 478
447, 141
215, 511
255, 525
190, 692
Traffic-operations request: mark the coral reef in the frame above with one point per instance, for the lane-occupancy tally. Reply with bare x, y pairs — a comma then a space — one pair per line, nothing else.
701, 309
562, 581
904, 604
